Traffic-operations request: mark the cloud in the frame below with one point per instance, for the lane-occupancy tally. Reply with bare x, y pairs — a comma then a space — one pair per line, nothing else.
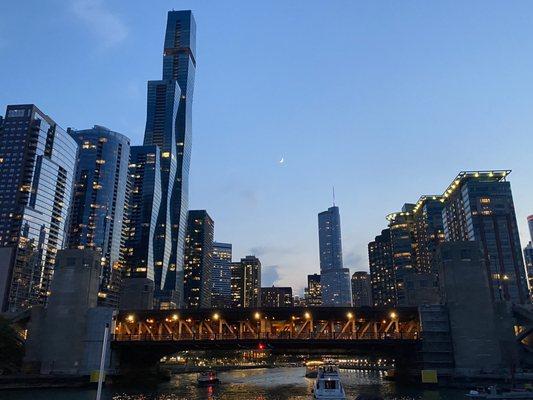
353, 259
108, 27
276, 250
269, 275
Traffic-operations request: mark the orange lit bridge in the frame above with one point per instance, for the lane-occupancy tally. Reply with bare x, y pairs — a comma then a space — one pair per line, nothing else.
141, 336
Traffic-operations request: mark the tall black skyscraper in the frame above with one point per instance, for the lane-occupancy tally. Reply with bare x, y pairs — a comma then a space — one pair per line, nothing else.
37, 163
168, 125
198, 265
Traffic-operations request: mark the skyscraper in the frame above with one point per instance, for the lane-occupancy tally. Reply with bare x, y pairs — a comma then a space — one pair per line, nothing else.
478, 206
528, 257
221, 275
382, 276
335, 280
198, 264
168, 125
313, 291
246, 282
97, 212
141, 222
276, 297
361, 292
37, 164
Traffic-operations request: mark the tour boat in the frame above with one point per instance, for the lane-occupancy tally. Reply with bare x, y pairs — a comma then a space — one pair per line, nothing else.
311, 368
207, 378
328, 384
494, 394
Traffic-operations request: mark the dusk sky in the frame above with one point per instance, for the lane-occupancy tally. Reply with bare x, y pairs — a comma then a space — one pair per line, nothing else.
385, 100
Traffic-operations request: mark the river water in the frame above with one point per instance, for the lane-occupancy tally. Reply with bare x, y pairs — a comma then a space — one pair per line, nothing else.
255, 384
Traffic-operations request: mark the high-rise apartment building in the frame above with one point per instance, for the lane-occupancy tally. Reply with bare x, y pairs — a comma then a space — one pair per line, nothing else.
276, 297
198, 264
382, 276
142, 273
246, 282
37, 166
335, 280
169, 126
313, 291
361, 291
478, 206
221, 275
97, 212
528, 257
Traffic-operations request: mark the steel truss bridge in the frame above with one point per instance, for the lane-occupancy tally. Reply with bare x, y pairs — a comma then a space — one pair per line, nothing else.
274, 328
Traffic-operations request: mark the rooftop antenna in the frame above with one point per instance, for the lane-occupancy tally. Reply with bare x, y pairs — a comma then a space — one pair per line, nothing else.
333, 196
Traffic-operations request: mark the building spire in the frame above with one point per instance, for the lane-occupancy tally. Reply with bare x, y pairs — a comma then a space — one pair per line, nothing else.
333, 195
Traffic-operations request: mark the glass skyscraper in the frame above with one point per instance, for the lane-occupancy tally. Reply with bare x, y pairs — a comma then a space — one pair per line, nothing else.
37, 164
246, 282
221, 275
382, 277
198, 265
168, 125
142, 213
335, 280
97, 213
478, 206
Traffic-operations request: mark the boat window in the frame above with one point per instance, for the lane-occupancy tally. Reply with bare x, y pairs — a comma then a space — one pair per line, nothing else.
330, 384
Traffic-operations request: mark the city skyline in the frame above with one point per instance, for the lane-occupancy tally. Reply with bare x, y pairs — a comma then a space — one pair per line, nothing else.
252, 164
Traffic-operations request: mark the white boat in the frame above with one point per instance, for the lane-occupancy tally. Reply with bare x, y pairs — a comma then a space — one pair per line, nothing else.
328, 384
494, 394
207, 378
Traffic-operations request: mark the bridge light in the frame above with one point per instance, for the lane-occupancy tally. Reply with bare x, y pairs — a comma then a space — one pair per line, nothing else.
349, 315
393, 315
150, 320
216, 316
384, 321
175, 317
261, 346
293, 317
257, 315
307, 315
130, 318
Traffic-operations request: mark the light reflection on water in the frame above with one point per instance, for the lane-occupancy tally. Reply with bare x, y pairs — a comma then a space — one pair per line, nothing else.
257, 384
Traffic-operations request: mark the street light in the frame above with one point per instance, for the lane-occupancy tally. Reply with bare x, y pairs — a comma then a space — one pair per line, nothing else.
257, 315
393, 315
307, 315
216, 316
349, 315
130, 318
175, 317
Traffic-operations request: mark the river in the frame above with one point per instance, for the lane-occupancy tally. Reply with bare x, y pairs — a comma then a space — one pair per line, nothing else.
256, 384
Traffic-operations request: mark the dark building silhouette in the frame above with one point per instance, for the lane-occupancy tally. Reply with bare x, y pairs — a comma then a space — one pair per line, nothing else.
97, 212
221, 275
37, 166
382, 276
198, 265
361, 291
276, 297
313, 291
528, 257
246, 282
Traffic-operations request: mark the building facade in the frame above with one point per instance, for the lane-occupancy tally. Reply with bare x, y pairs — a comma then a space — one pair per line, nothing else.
97, 212
198, 264
335, 280
141, 272
361, 291
528, 257
276, 297
313, 291
221, 275
382, 276
169, 126
478, 206
246, 282
37, 166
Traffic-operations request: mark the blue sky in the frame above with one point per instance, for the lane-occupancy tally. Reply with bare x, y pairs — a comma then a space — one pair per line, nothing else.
385, 100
